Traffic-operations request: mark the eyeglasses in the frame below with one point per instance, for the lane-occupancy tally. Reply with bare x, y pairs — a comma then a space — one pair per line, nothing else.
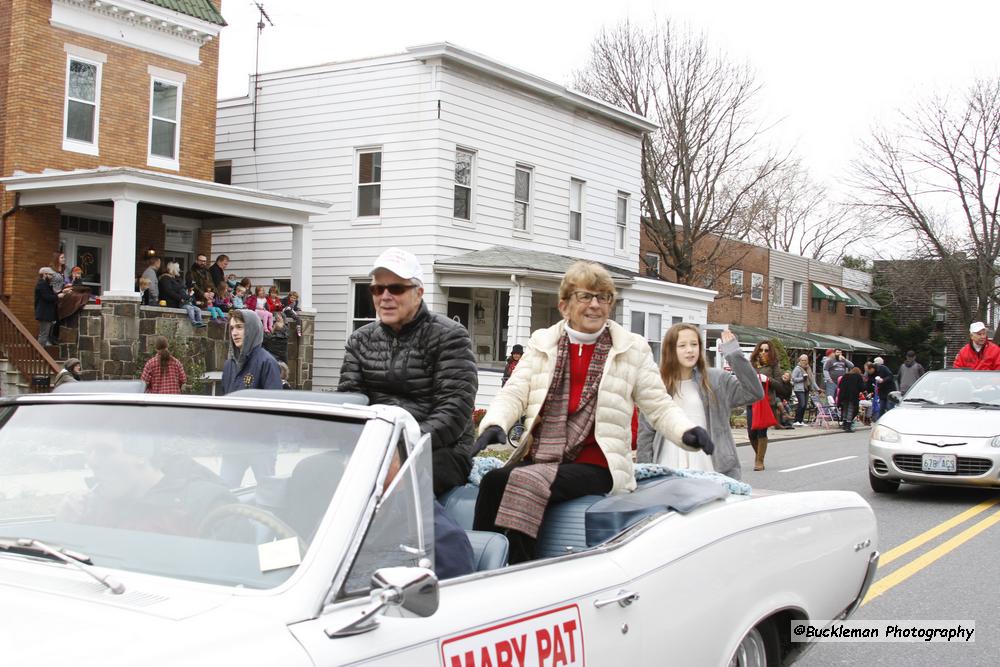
587, 297
394, 289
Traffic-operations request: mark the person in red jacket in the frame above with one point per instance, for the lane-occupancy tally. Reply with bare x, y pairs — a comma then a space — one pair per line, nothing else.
981, 354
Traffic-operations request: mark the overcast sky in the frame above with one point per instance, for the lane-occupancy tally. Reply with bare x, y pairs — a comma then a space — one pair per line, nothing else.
829, 70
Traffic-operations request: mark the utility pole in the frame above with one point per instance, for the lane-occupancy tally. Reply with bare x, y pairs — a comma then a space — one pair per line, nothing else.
256, 67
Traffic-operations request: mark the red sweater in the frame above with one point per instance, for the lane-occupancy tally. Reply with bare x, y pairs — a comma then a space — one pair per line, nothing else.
579, 362
987, 359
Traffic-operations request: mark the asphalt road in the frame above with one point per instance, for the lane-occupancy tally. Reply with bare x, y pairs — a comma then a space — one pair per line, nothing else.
940, 552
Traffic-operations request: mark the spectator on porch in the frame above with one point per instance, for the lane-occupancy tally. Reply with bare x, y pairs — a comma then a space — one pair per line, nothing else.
146, 292
258, 304
152, 275
218, 270
214, 307
199, 277
239, 294
163, 373
291, 311
45, 305
276, 341
274, 303
172, 291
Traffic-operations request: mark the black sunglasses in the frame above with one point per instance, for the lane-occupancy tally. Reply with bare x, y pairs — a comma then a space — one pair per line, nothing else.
395, 289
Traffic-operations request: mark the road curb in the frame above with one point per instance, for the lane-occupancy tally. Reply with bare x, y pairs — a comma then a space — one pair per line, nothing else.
818, 434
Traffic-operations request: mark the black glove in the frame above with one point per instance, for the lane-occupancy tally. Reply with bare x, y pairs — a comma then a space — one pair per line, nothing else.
493, 435
698, 437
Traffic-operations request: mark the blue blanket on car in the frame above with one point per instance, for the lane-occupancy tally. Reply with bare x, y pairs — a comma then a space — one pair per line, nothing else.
484, 464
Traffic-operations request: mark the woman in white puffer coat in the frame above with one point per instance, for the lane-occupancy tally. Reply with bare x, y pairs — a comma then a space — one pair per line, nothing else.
577, 385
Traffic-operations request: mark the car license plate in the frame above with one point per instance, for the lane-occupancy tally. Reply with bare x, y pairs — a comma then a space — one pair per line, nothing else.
938, 463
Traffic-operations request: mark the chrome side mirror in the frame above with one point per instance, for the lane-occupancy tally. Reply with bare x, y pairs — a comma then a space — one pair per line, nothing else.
413, 590
896, 396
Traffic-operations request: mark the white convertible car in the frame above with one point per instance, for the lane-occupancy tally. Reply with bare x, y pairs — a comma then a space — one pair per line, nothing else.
121, 545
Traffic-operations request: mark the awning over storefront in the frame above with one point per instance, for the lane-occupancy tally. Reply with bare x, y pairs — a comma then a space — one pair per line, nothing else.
868, 303
755, 335
854, 299
824, 342
863, 346
821, 291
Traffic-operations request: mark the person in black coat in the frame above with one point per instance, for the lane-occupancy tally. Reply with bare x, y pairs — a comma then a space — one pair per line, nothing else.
46, 305
418, 360
851, 386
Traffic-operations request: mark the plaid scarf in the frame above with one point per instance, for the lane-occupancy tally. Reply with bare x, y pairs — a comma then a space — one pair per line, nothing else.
559, 440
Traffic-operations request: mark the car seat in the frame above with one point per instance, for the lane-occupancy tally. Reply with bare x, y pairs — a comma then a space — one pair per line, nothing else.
489, 549
310, 489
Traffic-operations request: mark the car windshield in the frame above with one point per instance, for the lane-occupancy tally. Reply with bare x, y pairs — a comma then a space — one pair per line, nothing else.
955, 388
217, 495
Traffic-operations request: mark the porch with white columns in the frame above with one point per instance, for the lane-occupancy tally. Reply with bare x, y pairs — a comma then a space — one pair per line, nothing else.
302, 264
123, 234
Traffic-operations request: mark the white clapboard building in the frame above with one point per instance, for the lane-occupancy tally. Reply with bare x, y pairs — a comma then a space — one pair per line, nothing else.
496, 179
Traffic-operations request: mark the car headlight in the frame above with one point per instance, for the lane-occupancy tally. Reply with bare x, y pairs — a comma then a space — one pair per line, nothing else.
995, 441
886, 434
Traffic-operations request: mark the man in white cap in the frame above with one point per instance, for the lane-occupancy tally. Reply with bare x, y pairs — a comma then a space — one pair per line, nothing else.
981, 354
419, 360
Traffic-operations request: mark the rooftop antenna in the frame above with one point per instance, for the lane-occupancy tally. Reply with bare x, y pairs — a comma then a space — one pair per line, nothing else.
256, 70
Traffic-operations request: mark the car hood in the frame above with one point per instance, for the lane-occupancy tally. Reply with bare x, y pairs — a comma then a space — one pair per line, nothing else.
931, 420
47, 628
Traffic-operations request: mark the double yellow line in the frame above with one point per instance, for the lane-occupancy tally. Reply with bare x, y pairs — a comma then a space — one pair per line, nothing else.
905, 572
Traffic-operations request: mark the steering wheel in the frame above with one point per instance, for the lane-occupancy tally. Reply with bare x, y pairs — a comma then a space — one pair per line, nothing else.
253, 513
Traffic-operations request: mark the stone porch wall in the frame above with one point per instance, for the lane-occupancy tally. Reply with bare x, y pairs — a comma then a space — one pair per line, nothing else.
110, 338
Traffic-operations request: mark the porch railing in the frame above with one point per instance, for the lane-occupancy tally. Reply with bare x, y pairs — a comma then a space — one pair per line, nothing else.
24, 352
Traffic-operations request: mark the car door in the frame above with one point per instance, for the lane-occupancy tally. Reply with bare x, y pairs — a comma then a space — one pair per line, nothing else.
570, 610
567, 611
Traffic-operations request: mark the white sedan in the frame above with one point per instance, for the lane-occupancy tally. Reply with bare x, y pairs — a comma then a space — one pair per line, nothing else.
120, 544
946, 431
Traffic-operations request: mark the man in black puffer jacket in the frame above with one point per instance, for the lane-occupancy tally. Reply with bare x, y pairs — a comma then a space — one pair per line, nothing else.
418, 360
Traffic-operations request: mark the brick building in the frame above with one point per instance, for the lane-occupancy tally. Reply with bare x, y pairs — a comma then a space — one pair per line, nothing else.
807, 304
916, 289
107, 134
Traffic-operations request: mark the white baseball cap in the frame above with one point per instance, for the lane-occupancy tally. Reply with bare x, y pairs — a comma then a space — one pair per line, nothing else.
976, 327
404, 264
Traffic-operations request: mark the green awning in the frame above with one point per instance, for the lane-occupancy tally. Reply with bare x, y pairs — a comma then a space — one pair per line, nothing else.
824, 342
829, 292
857, 345
754, 335
841, 294
854, 299
869, 302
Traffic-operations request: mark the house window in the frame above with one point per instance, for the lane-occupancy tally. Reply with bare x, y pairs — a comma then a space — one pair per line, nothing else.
817, 304
849, 311
621, 221
223, 172
639, 322
575, 210
654, 334
736, 282
369, 182
463, 184
83, 93
831, 307
756, 287
797, 295
364, 306
652, 262
778, 292
522, 197
164, 123
939, 306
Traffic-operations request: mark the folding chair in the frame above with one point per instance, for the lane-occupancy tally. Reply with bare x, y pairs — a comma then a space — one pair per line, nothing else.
824, 415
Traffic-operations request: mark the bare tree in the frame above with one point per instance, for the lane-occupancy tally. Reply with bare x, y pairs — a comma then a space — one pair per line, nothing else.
700, 166
937, 178
788, 211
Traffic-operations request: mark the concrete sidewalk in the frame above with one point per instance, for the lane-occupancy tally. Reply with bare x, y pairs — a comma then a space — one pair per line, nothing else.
797, 433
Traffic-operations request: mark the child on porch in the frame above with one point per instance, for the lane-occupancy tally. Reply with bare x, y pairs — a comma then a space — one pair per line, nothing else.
147, 297
212, 306
238, 298
258, 304
291, 311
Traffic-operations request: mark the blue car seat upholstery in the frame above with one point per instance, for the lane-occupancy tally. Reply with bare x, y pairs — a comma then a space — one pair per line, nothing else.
460, 503
489, 550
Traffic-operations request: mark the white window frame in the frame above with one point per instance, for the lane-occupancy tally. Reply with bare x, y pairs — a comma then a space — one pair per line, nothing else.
757, 283
471, 186
575, 183
654, 335
733, 273
526, 203
88, 57
797, 295
621, 226
352, 305
778, 292
157, 75
356, 199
